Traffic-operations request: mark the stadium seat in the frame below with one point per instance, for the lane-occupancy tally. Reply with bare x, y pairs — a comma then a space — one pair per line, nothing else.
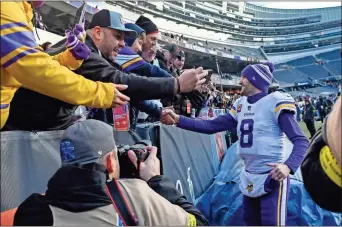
331, 55
302, 61
335, 66
314, 71
287, 76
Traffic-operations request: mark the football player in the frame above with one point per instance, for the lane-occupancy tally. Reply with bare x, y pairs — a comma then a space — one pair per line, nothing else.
262, 121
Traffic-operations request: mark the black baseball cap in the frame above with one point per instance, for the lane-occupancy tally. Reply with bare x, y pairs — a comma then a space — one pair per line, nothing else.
86, 142
108, 19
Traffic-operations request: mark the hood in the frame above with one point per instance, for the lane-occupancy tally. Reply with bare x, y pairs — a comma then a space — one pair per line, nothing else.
78, 189
28, 13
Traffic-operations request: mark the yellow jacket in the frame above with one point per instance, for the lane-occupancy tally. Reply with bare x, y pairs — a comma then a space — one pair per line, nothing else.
68, 60
22, 63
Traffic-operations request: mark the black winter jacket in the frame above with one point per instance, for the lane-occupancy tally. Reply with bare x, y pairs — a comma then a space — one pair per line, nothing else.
309, 113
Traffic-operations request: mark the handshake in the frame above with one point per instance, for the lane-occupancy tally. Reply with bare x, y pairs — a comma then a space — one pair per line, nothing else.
169, 117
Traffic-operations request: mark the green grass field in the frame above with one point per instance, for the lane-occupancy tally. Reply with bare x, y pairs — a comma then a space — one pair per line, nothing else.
307, 133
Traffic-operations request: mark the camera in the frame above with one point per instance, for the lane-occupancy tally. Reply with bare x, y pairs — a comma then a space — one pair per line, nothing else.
127, 168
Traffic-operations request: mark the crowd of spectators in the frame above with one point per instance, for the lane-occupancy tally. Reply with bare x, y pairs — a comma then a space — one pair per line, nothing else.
333, 83
116, 64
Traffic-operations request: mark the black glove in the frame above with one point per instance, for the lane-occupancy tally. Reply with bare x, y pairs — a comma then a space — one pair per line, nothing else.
326, 193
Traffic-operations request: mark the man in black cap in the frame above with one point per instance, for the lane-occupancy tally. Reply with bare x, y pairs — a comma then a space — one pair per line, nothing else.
105, 37
86, 189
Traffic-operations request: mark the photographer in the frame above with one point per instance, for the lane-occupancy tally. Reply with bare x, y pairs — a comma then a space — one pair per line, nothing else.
86, 189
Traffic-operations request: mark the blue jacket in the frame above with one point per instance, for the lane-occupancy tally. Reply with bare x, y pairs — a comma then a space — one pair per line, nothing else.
131, 62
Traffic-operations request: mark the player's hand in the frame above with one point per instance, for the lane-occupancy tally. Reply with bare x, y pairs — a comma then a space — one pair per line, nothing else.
166, 119
280, 171
174, 118
150, 167
119, 98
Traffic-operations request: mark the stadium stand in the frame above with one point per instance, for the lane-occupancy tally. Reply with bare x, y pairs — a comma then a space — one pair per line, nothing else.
242, 28
331, 55
302, 61
319, 90
286, 76
314, 71
335, 66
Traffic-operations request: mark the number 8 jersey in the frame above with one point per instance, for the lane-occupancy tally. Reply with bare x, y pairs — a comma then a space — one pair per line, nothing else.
260, 137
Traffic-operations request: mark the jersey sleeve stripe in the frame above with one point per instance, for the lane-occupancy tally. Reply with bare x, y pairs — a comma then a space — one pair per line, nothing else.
12, 25
287, 106
16, 40
17, 57
9, 31
285, 102
133, 66
233, 113
131, 62
4, 106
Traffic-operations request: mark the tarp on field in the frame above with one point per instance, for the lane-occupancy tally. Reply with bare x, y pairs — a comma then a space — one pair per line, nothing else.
222, 202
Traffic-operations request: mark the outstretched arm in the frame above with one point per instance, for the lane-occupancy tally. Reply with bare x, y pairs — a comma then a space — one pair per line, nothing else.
290, 127
219, 124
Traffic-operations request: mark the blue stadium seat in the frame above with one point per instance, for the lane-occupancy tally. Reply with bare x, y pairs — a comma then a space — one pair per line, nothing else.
331, 55
314, 71
287, 76
302, 61
335, 66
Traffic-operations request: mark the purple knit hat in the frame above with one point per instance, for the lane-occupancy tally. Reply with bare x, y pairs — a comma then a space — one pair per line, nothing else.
260, 75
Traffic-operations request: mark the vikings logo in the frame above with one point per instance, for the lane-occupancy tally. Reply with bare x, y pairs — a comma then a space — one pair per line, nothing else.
249, 187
